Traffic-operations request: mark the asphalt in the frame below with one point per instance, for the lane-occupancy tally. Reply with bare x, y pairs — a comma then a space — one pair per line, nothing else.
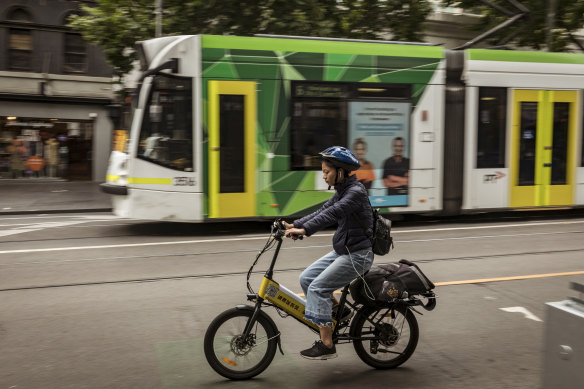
51, 196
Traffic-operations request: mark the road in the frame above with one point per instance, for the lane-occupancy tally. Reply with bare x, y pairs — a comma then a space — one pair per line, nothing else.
93, 301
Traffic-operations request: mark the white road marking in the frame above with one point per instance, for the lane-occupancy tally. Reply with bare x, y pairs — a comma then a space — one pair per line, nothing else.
536, 224
524, 311
46, 216
109, 246
39, 226
87, 218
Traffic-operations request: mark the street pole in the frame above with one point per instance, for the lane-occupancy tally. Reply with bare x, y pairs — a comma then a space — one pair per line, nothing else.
551, 18
158, 12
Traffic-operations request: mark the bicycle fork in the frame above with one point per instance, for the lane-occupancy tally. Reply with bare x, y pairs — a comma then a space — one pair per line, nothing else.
257, 312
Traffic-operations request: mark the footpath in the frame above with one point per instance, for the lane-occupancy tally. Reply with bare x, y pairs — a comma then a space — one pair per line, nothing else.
51, 196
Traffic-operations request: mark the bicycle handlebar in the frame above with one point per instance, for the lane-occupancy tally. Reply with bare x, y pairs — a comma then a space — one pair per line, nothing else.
280, 230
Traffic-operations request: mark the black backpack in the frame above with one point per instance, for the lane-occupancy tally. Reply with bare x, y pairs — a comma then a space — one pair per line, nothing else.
381, 240
385, 284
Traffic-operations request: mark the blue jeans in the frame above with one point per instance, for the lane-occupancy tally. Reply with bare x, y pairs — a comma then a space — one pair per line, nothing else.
329, 273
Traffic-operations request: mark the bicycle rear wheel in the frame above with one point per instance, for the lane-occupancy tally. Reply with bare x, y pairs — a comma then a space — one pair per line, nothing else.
234, 357
385, 341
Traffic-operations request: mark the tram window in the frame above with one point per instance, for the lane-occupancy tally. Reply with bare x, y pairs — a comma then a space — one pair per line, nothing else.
527, 142
560, 143
316, 125
166, 136
320, 114
492, 119
231, 135
582, 133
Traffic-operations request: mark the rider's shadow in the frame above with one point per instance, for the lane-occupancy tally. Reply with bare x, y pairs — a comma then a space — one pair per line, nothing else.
182, 365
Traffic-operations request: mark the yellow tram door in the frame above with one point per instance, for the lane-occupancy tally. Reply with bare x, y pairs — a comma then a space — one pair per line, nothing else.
232, 148
543, 147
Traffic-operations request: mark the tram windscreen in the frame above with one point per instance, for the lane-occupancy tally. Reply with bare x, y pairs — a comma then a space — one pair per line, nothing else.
166, 136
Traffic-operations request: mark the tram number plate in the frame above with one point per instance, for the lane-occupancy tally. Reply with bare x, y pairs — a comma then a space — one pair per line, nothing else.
183, 181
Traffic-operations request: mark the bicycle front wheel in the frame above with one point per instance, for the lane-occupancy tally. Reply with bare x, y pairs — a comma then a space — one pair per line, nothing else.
385, 340
234, 357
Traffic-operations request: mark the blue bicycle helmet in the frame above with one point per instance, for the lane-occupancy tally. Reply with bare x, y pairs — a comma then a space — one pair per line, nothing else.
341, 157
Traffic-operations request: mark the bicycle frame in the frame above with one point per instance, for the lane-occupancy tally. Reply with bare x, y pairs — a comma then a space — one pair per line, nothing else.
283, 298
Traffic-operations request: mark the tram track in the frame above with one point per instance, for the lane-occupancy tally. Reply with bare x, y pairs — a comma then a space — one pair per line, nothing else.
218, 240
160, 229
297, 269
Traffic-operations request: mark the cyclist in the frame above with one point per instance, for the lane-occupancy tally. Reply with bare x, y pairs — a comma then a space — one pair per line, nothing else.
351, 255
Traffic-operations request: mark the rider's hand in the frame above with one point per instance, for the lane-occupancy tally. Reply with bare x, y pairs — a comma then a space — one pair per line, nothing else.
294, 233
287, 225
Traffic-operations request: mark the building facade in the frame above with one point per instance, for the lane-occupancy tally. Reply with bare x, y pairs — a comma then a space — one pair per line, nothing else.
55, 90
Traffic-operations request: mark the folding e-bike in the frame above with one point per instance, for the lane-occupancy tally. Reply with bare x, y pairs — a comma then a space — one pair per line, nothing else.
241, 342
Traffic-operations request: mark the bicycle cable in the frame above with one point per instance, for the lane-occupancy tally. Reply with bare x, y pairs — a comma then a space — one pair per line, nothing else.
268, 246
367, 289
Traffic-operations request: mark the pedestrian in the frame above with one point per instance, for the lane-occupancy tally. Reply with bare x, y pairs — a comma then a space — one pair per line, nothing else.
351, 255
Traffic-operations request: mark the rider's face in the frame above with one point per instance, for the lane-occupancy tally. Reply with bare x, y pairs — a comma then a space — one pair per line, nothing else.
329, 173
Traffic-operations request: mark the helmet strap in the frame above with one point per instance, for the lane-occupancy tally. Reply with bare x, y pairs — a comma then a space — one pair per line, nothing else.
338, 176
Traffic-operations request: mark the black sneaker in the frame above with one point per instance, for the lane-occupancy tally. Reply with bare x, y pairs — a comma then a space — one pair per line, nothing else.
319, 351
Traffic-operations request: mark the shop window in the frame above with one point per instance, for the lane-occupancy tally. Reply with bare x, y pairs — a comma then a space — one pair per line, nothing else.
46, 148
75, 54
492, 120
166, 137
20, 49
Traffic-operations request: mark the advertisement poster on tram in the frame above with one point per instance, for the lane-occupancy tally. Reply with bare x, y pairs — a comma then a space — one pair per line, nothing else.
379, 135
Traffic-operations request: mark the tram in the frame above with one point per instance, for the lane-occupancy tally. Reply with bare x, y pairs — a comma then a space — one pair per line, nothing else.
228, 127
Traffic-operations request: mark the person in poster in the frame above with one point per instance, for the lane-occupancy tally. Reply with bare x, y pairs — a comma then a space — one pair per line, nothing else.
365, 174
396, 170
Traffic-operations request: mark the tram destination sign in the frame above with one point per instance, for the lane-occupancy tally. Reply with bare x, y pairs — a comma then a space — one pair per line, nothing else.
320, 90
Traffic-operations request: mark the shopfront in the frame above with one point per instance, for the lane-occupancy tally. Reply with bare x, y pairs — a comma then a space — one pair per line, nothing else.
46, 148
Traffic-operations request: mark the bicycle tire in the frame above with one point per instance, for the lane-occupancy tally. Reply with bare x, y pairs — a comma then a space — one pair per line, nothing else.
399, 333
228, 356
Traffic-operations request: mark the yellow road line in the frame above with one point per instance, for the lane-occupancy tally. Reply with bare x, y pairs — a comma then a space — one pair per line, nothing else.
499, 279
512, 278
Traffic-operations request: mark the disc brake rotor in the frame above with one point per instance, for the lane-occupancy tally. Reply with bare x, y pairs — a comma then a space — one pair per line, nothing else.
241, 347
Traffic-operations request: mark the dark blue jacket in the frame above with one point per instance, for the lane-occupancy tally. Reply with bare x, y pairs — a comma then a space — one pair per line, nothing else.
350, 197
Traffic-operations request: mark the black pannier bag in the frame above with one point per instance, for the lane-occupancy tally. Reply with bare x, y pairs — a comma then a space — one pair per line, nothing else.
381, 240
384, 284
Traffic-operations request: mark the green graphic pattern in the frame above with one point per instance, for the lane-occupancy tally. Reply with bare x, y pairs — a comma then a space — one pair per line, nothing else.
274, 67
